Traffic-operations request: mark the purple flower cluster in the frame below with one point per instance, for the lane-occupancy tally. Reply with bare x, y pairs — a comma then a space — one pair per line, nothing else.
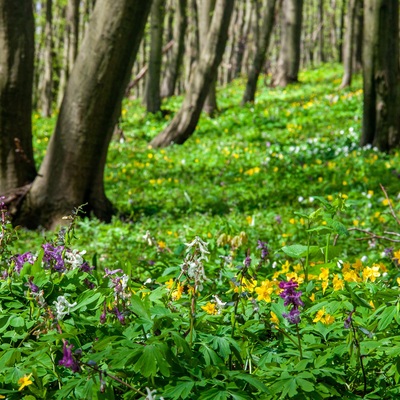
53, 258
291, 297
68, 359
21, 259
349, 320
264, 249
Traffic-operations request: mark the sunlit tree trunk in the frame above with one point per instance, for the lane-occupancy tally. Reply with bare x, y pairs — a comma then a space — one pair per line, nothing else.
47, 84
381, 74
17, 167
261, 50
176, 58
289, 58
321, 51
72, 171
184, 123
153, 79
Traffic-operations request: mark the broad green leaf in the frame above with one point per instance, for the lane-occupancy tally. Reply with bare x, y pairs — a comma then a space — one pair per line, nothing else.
181, 390
386, 317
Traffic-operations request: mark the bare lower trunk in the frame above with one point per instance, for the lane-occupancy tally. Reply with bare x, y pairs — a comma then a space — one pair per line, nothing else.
17, 167
261, 50
185, 121
72, 171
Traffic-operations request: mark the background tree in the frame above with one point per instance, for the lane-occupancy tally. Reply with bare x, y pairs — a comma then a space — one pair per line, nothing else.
260, 51
47, 84
381, 74
289, 59
185, 121
16, 79
72, 171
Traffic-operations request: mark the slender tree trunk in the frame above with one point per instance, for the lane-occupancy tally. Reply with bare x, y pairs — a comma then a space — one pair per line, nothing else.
184, 123
341, 31
72, 171
47, 85
349, 45
333, 34
358, 36
321, 52
289, 59
381, 74
17, 167
261, 50
153, 96
193, 46
206, 9
175, 61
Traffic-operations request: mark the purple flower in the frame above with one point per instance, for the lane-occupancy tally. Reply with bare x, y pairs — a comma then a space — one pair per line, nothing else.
278, 219
247, 262
53, 257
291, 297
89, 284
21, 259
103, 316
112, 272
85, 267
264, 249
349, 320
119, 315
388, 252
34, 288
68, 359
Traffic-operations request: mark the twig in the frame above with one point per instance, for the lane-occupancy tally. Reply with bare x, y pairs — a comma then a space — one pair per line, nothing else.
373, 235
390, 205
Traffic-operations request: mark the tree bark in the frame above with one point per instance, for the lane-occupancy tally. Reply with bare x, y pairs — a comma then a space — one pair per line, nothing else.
381, 74
72, 171
289, 58
349, 44
17, 167
47, 84
184, 123
341, 31
261, 50
206, 8
321, 52
358, 36
175, 61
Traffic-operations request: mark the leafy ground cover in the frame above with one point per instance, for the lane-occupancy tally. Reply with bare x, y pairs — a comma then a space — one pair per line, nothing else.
252, 262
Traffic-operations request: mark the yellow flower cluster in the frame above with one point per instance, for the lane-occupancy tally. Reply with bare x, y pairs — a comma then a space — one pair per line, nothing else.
234, 242
324, 317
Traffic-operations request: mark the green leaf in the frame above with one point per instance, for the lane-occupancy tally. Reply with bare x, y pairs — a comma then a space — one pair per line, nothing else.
337, 226
151, 361
180, 390
357, 300
386, 317
253, 381
17, 321
298, 250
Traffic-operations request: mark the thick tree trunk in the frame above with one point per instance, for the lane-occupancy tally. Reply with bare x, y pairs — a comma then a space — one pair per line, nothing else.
47, 84
185, 121
152, 94
381, 74
289, 58
261, 50
349, 44
17, 167
192, 45
72, 171
206, 9
358, 37
175, 61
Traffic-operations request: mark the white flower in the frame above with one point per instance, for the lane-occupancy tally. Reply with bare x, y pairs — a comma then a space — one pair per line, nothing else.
149, 239
74, 258
151, 395
63, 307
300, 199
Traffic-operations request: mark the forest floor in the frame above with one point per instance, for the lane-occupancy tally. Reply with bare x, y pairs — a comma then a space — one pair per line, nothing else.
249, 169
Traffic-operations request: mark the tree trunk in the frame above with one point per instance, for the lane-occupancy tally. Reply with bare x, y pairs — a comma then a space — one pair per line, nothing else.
381, 74
192, 45
349, 44
289, 59
72, 171
47, 85
321, 53
358, 36
184, 123
206, 9
333, 34
175, 62
261, 50
16, 80
152, 95
341, 31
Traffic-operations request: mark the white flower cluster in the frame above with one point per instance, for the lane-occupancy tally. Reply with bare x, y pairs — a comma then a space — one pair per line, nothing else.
63, 307
74, 258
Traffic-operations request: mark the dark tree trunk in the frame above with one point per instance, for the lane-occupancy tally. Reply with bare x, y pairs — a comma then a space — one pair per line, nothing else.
17, 167
358, 37
289, 58
175, 61
72, 171
153, 95
381, 74
185, 121
47, 84
321, 52
341, 31
260, 52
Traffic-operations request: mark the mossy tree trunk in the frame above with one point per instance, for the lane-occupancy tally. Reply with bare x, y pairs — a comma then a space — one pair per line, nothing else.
72, 171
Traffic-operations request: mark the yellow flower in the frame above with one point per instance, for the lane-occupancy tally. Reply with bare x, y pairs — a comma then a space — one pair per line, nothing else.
324, 286
285, 267
312, 297
371, 273
274, 318
396, 255
210, 308
329, 319
295, 277
357, 265
169, 284
249, 285
337, 283
324, 275
24, 381
324, 317
351, 276
319, 315
265, 290
177, 293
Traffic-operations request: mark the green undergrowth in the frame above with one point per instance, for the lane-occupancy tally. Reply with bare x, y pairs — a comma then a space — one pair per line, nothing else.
243, 170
